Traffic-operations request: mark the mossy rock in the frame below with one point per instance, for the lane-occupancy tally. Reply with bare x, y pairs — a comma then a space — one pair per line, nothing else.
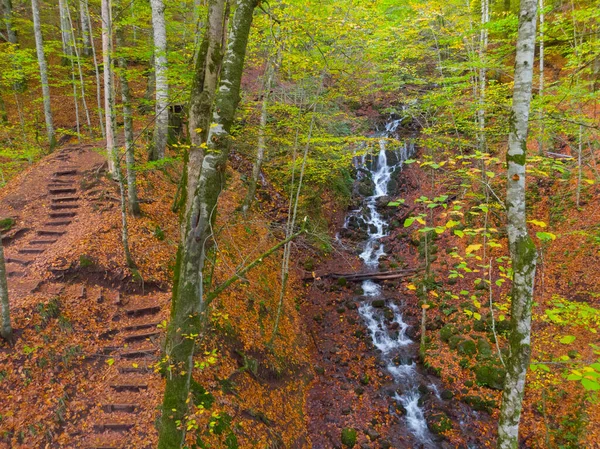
446, 395
467, 347
349, 437
6, 224
378, 303
454, 341
439, 423
342, 282
490, 376
480, 326
479, 404
484, 348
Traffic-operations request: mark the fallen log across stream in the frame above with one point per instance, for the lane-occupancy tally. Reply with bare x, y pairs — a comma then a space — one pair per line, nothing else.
372, 276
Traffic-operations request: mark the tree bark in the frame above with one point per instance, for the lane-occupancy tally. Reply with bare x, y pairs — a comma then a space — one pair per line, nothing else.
7, 9
208, 66
522, 250
65, 32
161, 125
41, 56
132, 197
6, 330
109, 100
96, 70
541, 81
260, 147
86, 32
188, 307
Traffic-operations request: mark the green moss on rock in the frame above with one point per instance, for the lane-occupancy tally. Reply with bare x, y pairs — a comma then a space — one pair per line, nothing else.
490, 376
349, 437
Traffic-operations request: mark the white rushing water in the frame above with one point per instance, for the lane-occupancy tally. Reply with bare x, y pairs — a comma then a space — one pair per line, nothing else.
388, 332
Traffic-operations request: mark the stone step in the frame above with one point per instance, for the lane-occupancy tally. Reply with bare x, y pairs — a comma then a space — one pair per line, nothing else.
15, 274
65, 172
64, 182
61, 190
141, 311
20, 261
103, 446
125, 408
64, 206
134, 369
138, 353
140, 337
43, 242
129, 387
62, 214
142, 326
31, 250
51, 232
117, 427
58, 223
65, 199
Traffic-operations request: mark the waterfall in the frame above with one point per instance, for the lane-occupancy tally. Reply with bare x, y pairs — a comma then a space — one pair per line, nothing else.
388, 333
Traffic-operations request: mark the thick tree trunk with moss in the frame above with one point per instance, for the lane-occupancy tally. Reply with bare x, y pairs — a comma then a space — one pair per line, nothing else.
188, 306
132, 197
208, 66
522, 249
41, 57
6, 329
161, 125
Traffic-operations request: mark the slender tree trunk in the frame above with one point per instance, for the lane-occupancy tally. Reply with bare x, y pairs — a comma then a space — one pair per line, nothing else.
3, 114
86, 32
134, 205
188, 310
208, 66
109, 101
579, 167
79, 70
6, 330
483, 44
41, 56
65, 32
161, 125
7, 9
260, 147
96, 70
541, 81
522, 250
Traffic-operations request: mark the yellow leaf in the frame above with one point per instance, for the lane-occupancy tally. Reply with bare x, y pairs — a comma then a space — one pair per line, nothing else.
474, 247
539, 223
411, 287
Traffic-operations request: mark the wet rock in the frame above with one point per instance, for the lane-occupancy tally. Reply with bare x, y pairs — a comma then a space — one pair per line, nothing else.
382, 201
348, 437
394, 326
378, 303
347, 411
479, 404
384, 444
423, 389
439, 423
400, 409
446, 395
412, 332
372, 434
351, 305
388, 314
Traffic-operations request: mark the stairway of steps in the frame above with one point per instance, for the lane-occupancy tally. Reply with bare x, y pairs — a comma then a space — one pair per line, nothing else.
62, 189
123, 414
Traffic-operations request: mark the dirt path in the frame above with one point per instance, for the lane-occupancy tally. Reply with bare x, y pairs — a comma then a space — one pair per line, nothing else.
99, 389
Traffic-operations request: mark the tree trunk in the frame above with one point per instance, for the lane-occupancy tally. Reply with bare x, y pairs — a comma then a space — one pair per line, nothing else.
188, 307
541, 81
109, 101
134, 205
522, 249
161, 125
11, 34
65, 32
3, 114
96, 70
208, 66
41, 56
6, 330
86, 32
483, 44
260, 147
